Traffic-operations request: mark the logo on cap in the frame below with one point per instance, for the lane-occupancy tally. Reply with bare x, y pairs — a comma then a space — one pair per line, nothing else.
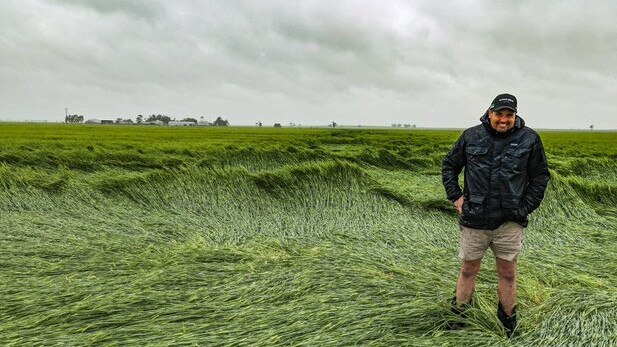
502, 101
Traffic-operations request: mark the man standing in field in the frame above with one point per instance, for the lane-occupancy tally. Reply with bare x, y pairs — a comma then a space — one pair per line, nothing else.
505, 177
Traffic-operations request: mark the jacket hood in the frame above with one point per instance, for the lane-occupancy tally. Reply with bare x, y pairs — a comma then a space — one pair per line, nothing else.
519, 123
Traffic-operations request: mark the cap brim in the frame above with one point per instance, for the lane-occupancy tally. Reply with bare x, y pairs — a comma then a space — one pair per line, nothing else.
499, 108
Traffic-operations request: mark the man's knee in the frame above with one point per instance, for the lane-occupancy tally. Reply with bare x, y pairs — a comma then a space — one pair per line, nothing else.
470, 269
507, 275
506, 270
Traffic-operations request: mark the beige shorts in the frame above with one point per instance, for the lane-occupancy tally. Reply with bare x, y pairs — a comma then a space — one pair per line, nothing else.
505, 241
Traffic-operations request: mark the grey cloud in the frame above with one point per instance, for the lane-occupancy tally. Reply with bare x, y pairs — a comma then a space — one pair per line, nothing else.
145, 9
343, 53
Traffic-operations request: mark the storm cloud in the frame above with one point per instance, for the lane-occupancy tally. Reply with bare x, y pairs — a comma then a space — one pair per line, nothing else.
433, 64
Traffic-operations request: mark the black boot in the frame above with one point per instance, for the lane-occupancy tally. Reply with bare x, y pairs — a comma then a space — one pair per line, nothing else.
459, 311
508, 322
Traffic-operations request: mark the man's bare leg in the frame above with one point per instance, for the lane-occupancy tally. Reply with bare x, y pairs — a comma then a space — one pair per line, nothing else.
506, 286
467, 281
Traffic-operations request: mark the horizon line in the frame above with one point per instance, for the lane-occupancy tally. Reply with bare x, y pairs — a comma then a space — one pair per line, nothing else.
313, 126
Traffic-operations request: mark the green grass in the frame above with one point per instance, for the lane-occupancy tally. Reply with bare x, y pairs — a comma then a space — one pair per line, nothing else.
120, 236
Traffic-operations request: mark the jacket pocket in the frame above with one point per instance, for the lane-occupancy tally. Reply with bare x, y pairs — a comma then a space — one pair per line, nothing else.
472, 212
510, 203
476, 198
476, 150
516, 158
511, 207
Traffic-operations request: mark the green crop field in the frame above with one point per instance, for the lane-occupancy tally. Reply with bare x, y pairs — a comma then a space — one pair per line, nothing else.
137, 235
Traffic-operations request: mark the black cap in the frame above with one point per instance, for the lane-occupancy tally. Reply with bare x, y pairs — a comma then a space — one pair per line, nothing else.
502, 101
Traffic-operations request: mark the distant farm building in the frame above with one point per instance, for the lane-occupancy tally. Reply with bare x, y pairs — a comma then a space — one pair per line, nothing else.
99, 121
181, 124
277, 125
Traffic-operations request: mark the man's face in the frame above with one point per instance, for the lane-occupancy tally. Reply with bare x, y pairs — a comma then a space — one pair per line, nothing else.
502, 120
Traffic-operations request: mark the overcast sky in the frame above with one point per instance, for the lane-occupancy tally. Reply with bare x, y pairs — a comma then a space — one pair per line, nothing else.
429, 63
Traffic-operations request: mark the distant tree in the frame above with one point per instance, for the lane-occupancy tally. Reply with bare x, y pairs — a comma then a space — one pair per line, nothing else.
189, 120
259, 124
73, 118
127, 121
160, 117
333, 124
118, 120
591, 127
220, 122
140, 119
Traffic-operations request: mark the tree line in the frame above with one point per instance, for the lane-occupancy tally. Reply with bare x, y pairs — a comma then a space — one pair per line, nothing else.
74, 118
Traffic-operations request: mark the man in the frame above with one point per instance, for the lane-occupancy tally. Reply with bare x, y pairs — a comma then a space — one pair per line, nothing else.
505, 178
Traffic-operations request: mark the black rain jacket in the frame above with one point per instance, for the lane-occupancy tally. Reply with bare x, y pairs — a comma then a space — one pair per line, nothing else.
505, 174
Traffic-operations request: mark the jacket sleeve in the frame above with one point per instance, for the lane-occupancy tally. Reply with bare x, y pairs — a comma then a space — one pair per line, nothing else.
452, 165
538, 177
